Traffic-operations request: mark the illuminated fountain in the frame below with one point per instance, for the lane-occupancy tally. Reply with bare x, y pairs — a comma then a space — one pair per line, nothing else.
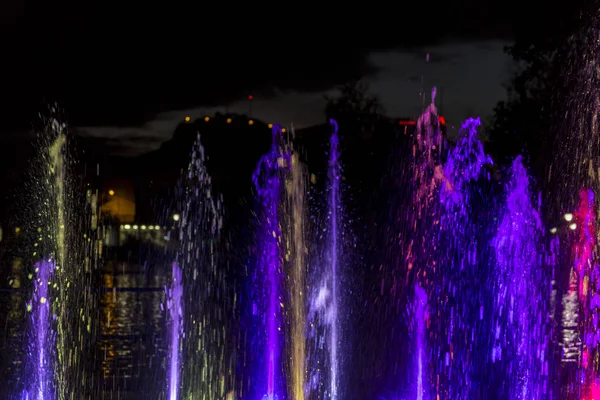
420, 315
520, 330
334, 243
63, 230
294, 238
201, 359
42, 359
175, 310
324, 332
472, 296
421, 253
459, 309
57, 218
438, 245
268, 301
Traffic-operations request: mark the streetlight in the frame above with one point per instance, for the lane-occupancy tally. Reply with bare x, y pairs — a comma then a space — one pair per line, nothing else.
175, 217
111, 192
568, 217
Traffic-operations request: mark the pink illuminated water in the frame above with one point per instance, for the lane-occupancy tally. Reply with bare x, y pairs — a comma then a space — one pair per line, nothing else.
587, 273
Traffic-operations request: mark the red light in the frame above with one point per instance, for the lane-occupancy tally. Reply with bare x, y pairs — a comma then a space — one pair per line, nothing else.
250, 97
405, 122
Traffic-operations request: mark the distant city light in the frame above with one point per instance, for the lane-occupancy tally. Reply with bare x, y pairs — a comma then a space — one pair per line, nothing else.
283, 130
206, 119
228, 120
127, 226
270, 126
111, 192
135, 227
250, 97
17, 230
143, 227
573, 226
175, 217
568, 217
151, 227
157, 227
250, 122
187, 119
553, 230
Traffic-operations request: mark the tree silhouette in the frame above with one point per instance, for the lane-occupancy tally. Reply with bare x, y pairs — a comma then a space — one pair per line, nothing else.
523, 123
355, 109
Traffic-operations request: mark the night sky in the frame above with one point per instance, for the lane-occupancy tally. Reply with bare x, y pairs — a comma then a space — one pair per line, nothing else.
129, 75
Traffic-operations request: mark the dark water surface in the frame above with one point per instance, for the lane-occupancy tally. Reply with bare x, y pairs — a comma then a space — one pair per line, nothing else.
127, 358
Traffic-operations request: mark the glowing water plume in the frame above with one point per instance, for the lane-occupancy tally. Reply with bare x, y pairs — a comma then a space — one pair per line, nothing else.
464, 165
64, 230
42, 335
420, 315
207, 357
459, 310
334, 204
325, 334
521, 340
423, 235
268, 276
175, 309
57, 170
294, 217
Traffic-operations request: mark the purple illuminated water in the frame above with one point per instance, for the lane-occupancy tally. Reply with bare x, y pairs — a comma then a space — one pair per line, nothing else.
175, 311
464, 165
520, 331
420, 315
42, 354
334, 204
269, 273
459, 319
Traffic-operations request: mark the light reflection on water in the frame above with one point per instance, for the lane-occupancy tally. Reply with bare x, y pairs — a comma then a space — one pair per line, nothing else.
128, 358
131, 342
